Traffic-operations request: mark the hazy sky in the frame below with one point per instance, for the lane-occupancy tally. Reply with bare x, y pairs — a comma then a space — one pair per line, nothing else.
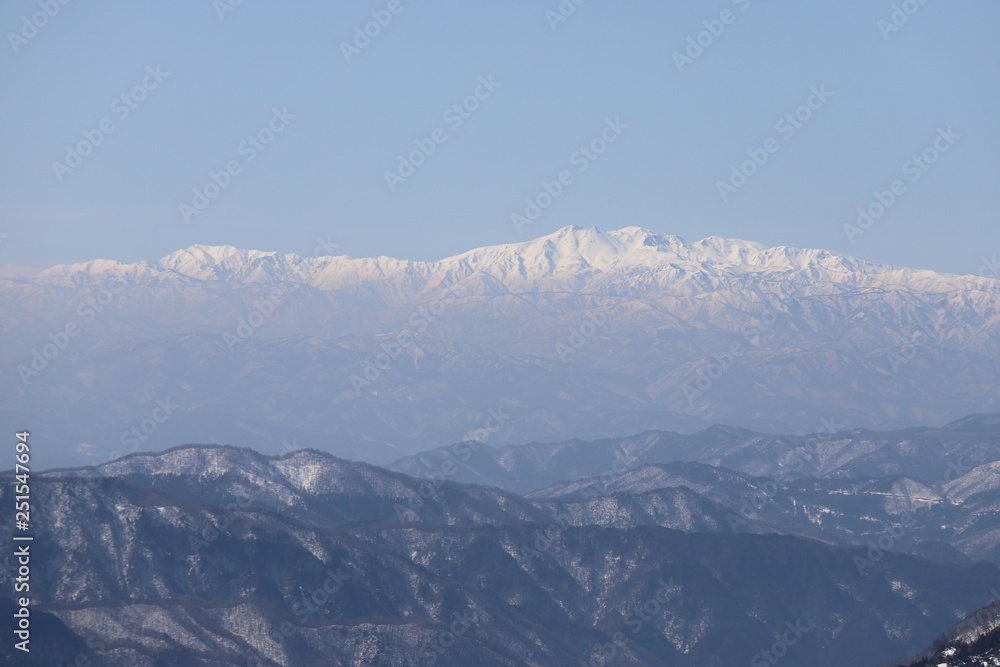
197, 86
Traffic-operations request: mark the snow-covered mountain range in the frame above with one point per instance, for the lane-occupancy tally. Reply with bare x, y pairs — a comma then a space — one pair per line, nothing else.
210, 556
581, 333
573, 256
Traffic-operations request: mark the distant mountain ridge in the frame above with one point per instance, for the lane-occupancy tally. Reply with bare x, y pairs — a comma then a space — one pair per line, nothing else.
933, 492
573, 255
579, 333
939, 456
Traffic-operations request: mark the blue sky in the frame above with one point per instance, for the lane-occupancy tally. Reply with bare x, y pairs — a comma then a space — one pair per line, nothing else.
344, 121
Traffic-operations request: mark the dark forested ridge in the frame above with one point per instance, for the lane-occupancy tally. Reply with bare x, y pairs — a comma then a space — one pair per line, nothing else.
222, 556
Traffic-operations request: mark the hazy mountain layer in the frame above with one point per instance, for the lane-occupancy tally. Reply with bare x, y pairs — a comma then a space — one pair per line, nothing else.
581, 333
935, 456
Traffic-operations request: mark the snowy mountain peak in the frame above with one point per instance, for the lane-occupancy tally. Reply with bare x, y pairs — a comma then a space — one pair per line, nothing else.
206, 254
807, 324
576, 248
206, 262
572, 258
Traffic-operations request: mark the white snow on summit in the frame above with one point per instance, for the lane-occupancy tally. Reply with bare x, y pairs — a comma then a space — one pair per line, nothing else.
572, 256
